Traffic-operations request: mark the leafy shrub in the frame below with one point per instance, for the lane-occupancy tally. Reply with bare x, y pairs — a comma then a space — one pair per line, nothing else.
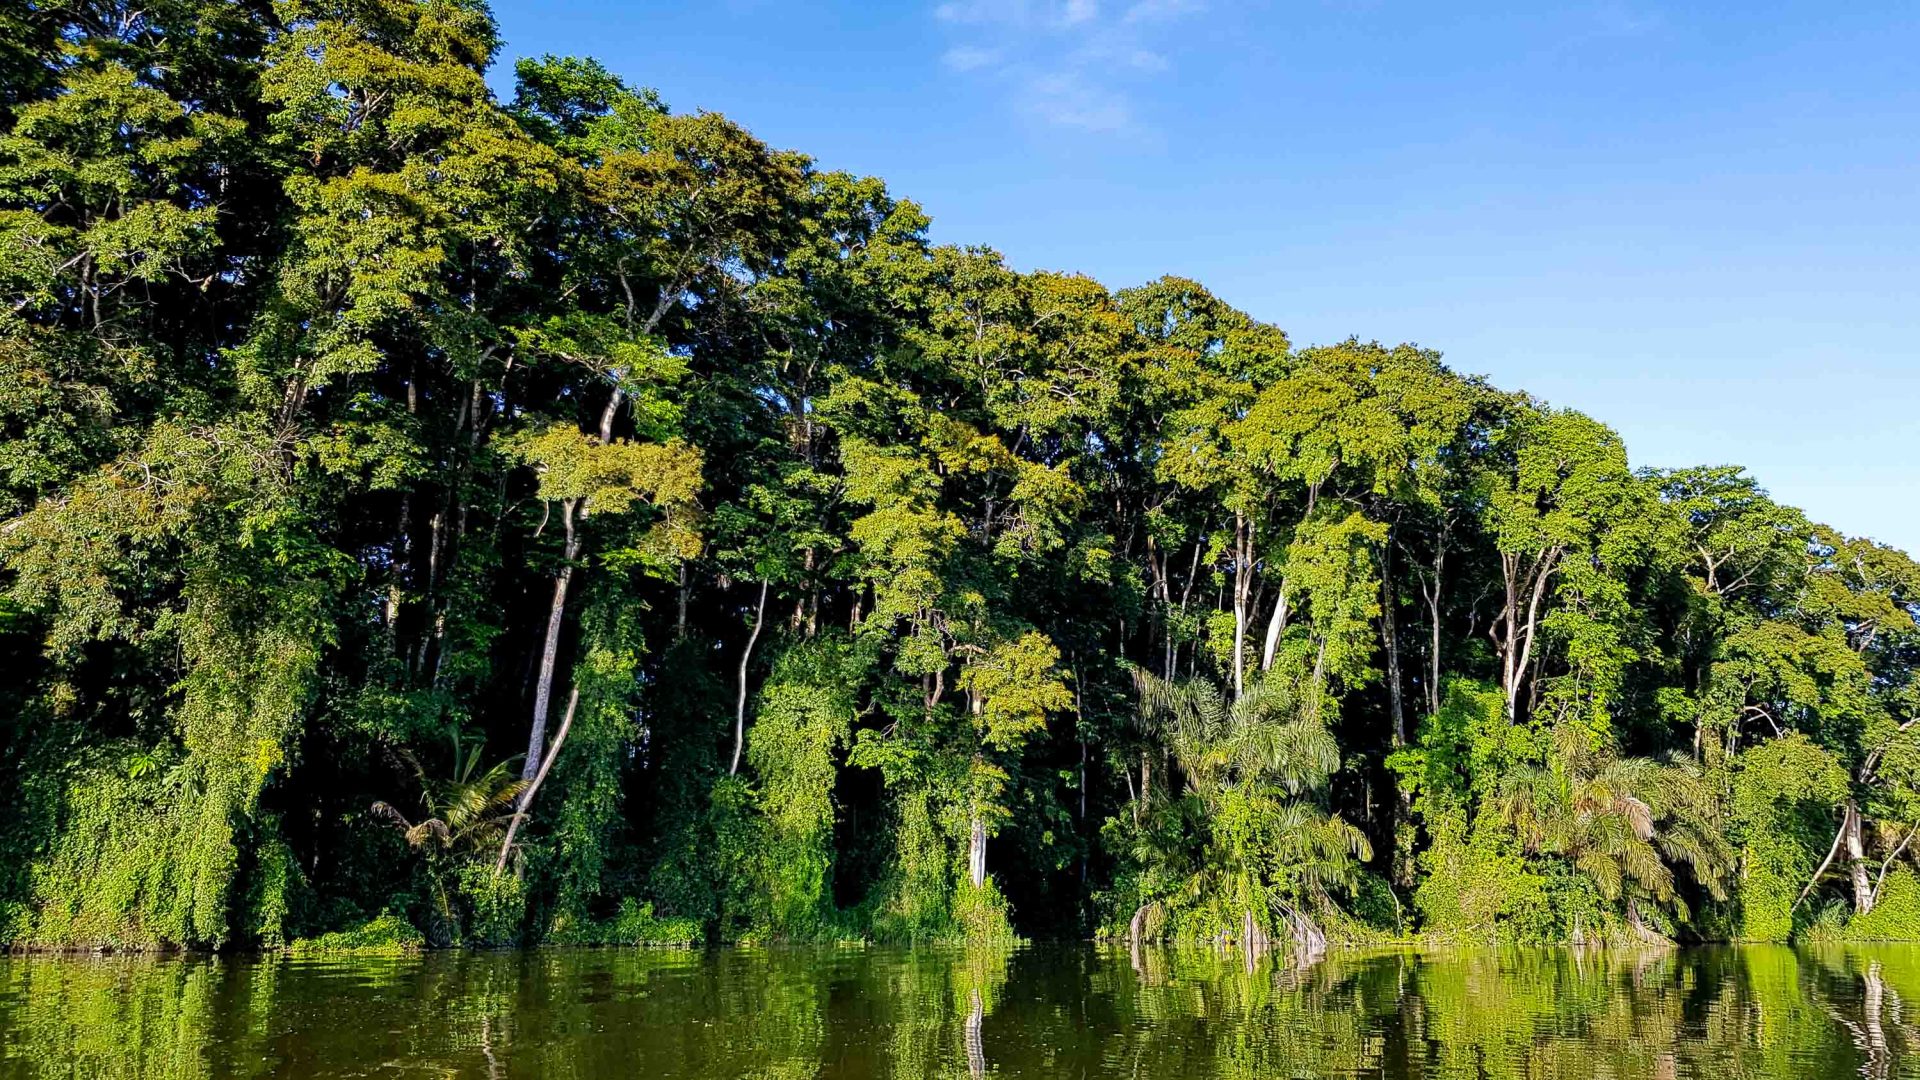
1374, 914
1476, 881
1783, 798
634, 924
496, 905
1896, 917
980, 914
387, 935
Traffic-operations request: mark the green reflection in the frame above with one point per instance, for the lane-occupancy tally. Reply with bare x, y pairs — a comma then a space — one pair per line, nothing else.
1761, 1011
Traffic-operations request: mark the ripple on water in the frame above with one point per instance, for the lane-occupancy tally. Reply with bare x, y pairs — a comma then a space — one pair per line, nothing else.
1072, 1010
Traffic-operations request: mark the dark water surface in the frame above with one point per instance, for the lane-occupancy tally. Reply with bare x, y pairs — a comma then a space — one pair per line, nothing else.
1056, 1011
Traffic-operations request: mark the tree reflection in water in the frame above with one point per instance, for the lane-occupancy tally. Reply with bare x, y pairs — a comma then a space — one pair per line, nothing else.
1580, 1014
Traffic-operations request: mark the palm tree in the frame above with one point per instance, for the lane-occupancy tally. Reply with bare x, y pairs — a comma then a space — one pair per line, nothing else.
1255, 764
1271, 734
468, 810
1625, 823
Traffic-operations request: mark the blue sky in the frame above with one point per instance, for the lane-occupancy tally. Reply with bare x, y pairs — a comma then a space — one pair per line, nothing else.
1699, 223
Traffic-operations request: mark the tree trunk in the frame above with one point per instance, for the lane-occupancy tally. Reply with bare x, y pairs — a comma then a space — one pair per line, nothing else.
680, 616
1253, 939
977, 852
1852, 826
1391, 641
1276, 625
1433, 620
740, 706
1526, 584
1509, 630
1240, 576
813, 597
1137, 926
607, 416
398, 557
526, 797
1839, 841
550, 651
1309, 941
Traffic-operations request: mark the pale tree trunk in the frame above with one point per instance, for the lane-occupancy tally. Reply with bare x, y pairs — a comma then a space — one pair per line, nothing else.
607, 416
550, 649
1526, 583
1242, 575
1137, 926
977, 831
680, 616
740, 705
1160, 586
1391, 641
556, 620
1276, 625
1309, 940
977, 851
812, 598
533, 787
401, 553
1254, 942
1853, 827
1431, 590
1508, 619
1402, 805
1839, 842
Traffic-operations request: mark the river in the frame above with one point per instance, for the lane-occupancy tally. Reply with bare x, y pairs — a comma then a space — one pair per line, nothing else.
1055, 1011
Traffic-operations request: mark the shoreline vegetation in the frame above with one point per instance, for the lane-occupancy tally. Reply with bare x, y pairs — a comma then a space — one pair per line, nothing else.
431, 518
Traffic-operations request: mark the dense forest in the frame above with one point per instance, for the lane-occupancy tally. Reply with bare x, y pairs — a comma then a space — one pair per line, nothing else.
428, 515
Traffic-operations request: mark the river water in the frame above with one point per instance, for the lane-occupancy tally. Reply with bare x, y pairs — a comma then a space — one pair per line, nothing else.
1056, 1011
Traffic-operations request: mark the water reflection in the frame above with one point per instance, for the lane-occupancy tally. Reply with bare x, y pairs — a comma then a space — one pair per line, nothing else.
1044, 1011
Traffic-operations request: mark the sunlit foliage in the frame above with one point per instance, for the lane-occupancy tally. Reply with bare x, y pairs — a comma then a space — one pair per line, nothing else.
838, 584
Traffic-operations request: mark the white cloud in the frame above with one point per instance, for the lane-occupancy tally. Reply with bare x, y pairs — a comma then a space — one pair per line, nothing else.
1068, 100
1022, 14
1076, 12
1068, 63
1154, 10
969, 58
978, 11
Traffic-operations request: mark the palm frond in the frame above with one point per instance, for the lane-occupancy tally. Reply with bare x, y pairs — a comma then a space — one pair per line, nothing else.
386, 810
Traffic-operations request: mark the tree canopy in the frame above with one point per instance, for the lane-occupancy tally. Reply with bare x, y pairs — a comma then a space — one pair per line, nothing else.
359, 428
